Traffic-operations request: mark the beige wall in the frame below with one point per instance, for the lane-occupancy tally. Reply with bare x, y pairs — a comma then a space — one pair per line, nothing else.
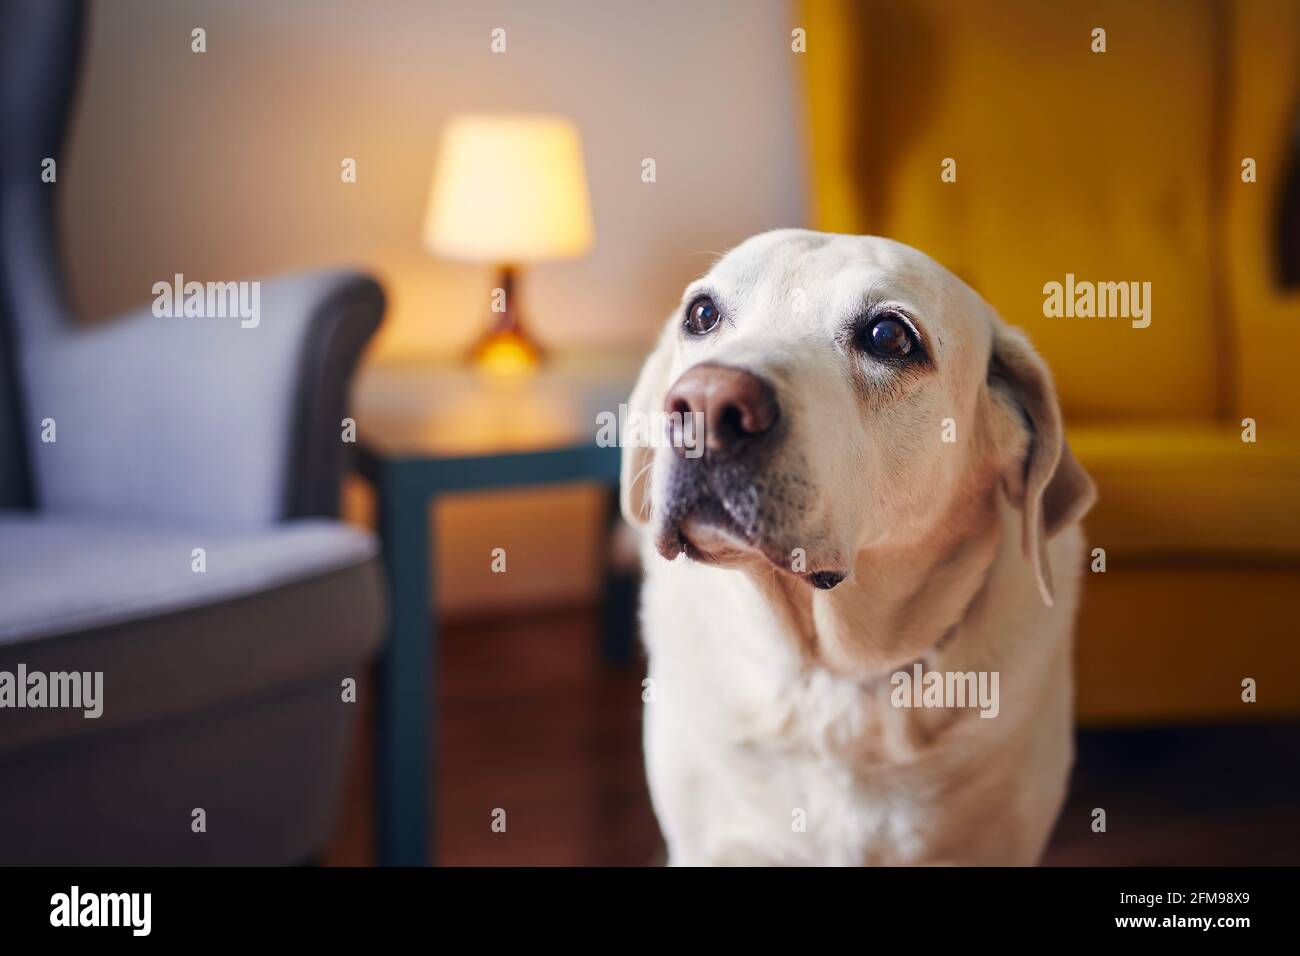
226, 164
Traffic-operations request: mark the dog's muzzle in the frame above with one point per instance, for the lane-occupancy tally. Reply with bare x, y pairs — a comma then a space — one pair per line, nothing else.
726, 428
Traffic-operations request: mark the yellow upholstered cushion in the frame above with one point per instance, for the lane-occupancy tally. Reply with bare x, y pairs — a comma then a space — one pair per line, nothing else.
1192, 491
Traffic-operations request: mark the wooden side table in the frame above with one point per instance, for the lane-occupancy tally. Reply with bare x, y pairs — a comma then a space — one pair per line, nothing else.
430, 429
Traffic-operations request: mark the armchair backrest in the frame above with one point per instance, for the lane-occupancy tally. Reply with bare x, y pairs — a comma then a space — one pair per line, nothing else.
1114, 166
40, 44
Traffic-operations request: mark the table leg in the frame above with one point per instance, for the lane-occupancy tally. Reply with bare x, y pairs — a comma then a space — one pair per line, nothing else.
621, 595
407, 682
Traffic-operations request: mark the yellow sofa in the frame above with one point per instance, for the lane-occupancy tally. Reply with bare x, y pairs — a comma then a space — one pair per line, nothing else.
1115, 166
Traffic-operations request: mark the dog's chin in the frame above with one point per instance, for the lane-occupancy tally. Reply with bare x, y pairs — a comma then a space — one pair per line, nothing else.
708, 540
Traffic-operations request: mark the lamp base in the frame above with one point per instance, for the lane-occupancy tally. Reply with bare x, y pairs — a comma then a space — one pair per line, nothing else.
505, 350
506, 347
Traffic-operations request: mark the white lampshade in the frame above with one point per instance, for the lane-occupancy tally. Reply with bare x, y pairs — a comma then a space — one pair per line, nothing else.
508, 188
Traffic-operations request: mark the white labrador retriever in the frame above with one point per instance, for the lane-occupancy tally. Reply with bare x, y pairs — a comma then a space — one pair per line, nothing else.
884, 493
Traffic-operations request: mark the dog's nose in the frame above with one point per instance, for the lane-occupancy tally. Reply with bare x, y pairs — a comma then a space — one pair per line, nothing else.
736, 407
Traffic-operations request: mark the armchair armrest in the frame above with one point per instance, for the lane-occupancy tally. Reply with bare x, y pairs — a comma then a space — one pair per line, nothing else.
218, 419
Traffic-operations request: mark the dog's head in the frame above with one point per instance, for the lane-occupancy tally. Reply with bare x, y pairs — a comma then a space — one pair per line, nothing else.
823, 394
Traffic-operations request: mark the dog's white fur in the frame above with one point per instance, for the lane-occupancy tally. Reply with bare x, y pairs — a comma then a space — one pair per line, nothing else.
771, 699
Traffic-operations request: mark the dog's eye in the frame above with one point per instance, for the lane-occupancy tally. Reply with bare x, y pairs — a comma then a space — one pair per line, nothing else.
702, 316
888, 335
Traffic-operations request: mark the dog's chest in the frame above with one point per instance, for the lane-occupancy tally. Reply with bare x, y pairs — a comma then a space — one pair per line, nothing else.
849, 765
763, 760
817, 772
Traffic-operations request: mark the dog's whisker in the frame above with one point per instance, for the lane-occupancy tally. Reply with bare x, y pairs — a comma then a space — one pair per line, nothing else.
644, 510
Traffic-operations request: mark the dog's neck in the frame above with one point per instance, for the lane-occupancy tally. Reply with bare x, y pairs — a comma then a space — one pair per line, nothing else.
900, 603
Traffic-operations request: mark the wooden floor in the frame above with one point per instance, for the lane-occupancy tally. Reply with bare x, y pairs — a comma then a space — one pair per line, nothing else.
535, 725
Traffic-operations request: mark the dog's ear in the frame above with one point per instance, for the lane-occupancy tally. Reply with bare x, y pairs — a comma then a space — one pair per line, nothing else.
646, 400
1041, 475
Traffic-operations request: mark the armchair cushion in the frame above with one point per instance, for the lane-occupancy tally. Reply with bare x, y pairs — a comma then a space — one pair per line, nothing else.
64, 574
1195, 490
209, 419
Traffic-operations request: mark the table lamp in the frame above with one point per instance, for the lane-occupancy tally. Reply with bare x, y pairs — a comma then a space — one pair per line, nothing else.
508, 189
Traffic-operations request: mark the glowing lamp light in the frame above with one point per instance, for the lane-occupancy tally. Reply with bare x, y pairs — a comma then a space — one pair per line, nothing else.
509, 190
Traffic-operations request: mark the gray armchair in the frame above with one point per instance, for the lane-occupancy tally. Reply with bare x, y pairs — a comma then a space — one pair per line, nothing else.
168, 499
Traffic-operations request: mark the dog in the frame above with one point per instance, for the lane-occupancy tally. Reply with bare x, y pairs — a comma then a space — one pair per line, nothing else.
884, 483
